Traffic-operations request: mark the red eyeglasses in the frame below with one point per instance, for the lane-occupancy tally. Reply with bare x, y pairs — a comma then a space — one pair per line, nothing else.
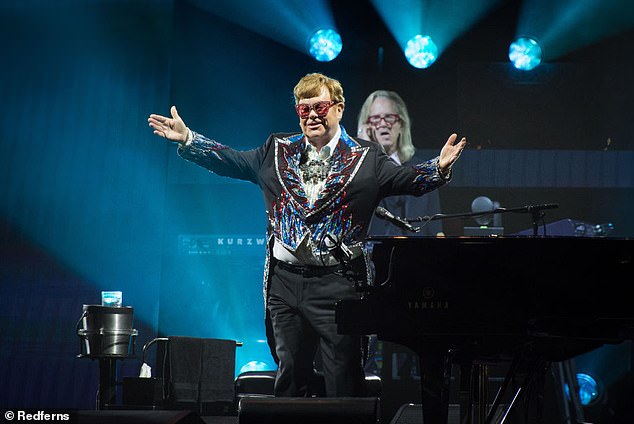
389, 118
320, 108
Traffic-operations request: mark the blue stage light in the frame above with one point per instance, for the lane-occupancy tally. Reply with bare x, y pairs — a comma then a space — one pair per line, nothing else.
325, 45
525, 53
421, 51
588, 389
254, 366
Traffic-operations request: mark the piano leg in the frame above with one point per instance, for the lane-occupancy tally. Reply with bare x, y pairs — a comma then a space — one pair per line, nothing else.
465, 392
435, 372
481, 378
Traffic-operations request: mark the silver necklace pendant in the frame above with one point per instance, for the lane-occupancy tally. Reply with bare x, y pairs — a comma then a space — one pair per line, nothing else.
315, 170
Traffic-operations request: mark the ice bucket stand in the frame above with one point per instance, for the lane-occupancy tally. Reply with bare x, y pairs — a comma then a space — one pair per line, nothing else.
106, 334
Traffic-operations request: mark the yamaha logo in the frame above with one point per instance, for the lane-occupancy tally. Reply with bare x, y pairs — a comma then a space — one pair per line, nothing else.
428, 292
427, 301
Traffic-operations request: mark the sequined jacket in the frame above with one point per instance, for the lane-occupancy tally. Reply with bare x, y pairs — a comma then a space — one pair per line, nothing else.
361, 174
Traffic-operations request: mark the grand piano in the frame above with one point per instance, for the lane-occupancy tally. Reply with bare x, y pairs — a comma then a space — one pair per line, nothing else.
529, 301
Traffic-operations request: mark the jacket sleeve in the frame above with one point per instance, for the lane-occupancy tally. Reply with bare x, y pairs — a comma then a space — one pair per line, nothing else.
416, 180
223, 160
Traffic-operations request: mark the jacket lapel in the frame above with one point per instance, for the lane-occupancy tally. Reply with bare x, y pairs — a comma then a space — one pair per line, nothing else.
288, 153
344, 164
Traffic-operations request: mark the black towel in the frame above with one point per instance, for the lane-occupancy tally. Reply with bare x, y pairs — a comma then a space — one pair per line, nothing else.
201, 370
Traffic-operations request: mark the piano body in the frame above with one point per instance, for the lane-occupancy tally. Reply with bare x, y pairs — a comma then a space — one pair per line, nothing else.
527, 300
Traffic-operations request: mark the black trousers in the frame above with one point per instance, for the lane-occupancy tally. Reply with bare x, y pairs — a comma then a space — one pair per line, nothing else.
302, 312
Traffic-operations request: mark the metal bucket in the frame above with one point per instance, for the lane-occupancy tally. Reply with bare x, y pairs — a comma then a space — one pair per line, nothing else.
106, 331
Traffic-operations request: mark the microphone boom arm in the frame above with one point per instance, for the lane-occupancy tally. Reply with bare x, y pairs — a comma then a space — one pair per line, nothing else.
536, 211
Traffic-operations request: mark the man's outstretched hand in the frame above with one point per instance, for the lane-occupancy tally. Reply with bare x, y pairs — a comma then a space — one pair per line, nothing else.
173, 128
451, 152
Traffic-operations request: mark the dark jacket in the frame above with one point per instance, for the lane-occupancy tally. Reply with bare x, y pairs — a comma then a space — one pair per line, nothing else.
361, 174
408, 207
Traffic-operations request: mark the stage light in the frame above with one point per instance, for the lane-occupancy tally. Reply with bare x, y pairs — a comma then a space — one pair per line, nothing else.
254, 366
421, 51
564, 26
588, 389
325, 45
442, 21
525, 53
288, 22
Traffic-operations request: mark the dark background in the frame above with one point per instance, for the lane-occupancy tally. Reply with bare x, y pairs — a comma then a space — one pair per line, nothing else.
91, 200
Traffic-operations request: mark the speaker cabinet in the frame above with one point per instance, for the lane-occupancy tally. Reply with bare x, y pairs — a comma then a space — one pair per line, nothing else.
258, 383
256, 410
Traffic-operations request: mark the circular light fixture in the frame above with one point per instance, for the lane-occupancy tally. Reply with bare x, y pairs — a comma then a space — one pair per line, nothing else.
325, 45
588, 389
483, 204
421, 51
525, 53
254, 366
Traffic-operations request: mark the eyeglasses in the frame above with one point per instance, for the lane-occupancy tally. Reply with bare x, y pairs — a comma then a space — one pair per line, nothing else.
389, 118
320, 108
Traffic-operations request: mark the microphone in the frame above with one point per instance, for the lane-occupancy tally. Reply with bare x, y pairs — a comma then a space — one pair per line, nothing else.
383, 213
338, 249
537, 208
